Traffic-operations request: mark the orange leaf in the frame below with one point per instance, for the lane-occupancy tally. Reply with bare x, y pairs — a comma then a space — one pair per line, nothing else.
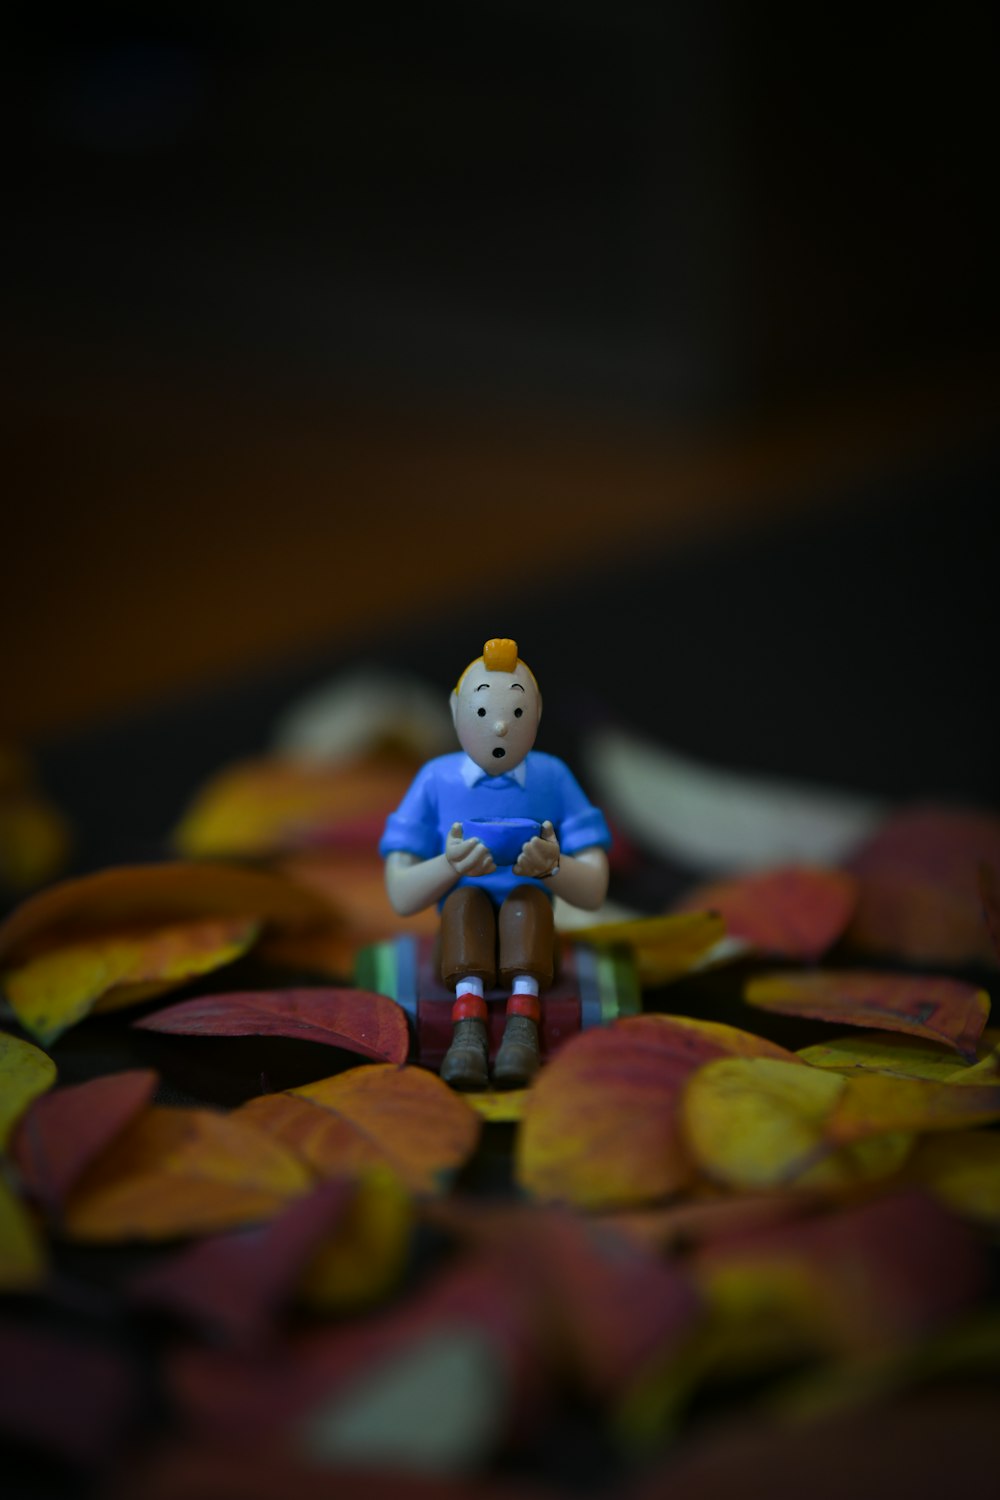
405, 1119
600, 1124
918, 886
54, 990
65, 1131
262, 807
180, 1172
938, 1009
358, 1020
145, 896
795, 912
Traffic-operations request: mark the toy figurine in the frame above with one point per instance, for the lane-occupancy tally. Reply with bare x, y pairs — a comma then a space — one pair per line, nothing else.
492, 833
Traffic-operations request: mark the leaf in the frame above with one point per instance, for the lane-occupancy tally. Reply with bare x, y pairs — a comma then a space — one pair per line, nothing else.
358, 1020
919, 897
234, 1285
857, 1279
67, 1398
267, 806
148, 896
405, 1119
938, 1009
757, 1123
963, 1171
176, 1172
715, 820
34, 837
53, 991
600, 1125
365, 1259
665, 947
797, 911
25, 1072
903, 1056
66, 1130
22, 1254
872, 1104
352, 883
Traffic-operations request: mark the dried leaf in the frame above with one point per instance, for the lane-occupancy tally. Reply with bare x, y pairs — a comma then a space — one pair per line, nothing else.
146, 896
919, 896
176, 1172
53, 991
872, 1104
68, 1129
664, 947
904, 1057
364, 1260
715, 820
234, 1285
65, 1397
25, 1072
963, 1171
22, 1254
797, 911
352, 883
405, 1119
854, 1280
757, 1123
267, 806
938, 1009
600, 1126
357, 1020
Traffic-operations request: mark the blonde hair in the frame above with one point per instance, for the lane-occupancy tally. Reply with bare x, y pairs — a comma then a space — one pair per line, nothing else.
499, 655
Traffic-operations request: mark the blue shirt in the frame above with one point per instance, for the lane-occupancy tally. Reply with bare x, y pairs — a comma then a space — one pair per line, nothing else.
452, 788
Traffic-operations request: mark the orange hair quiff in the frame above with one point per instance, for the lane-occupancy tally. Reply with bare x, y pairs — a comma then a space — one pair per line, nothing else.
499, 655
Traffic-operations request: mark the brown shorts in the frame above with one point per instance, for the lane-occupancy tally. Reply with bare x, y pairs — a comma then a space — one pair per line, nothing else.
479, 942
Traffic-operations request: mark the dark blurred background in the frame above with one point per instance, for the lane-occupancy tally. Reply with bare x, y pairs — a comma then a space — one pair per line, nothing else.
330, 334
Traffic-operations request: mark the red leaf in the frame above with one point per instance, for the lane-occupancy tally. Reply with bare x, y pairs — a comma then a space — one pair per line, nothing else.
234, 1284
918, 889
65, 1131
357, 1020
930, 1006
62, 1395
794, 912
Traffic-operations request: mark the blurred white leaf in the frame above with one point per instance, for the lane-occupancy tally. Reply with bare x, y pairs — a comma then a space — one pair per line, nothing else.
362, 711
718, 822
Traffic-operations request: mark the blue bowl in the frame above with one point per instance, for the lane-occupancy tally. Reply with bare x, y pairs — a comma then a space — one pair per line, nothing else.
503, 837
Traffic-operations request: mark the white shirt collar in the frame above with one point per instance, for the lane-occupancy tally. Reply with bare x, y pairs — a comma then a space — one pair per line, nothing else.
472, 774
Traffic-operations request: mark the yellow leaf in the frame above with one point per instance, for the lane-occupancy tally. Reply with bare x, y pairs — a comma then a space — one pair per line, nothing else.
756, 1122
665, 947
25, 1072
368, 1252
381, 1115
56, 989
902, 1056
963, 1171
181, 1172
22, 1257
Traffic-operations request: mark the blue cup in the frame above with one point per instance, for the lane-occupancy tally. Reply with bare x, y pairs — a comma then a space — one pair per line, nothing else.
503, 837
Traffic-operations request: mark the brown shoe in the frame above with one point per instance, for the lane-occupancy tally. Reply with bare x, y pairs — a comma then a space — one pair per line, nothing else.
466, 1063
518, 1060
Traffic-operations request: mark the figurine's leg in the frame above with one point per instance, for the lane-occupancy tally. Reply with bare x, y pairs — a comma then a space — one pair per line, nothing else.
527, 942
468, 965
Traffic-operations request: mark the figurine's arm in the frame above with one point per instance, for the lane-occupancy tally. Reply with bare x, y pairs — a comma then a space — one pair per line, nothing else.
581, 878
414, 884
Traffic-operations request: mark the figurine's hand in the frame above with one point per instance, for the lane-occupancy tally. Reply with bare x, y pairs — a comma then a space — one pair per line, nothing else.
467, 856
539, 856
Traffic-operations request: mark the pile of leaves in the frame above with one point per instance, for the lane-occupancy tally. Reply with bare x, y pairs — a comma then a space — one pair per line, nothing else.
249, 1248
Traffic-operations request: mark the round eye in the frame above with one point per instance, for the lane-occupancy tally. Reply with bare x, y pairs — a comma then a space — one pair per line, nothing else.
481, 712
518, 712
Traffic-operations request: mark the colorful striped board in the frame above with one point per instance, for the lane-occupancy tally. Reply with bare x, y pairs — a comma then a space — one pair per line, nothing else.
594, 986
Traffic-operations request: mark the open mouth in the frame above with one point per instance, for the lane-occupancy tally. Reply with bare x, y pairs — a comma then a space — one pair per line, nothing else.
498, 753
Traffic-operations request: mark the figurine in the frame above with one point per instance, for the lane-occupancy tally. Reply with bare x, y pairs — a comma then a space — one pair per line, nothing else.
492, 833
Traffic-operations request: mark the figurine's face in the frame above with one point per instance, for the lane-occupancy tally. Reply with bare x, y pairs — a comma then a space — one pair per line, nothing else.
496, 717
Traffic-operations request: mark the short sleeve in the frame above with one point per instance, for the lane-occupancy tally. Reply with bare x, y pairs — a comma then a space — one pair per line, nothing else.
582, 826
413, 827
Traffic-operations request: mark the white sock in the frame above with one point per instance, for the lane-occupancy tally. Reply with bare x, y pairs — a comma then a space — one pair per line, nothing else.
525, 985
470, 986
